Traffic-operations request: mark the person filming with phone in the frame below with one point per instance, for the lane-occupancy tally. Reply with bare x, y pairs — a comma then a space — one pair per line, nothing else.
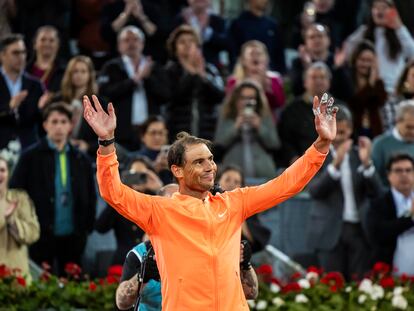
140, 176
246, 132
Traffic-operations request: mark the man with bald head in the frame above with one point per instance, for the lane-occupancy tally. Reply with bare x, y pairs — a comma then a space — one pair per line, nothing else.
135, 83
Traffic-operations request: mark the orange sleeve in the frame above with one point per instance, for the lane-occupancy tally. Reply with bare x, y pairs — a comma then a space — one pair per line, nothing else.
289, 183
131, 204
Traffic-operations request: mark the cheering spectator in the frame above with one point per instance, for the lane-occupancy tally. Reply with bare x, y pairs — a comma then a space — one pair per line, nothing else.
196, 86
393, 42
253, 64
18, 224
246, 131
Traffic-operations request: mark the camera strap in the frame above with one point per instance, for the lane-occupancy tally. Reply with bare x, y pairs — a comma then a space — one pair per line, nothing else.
141, 274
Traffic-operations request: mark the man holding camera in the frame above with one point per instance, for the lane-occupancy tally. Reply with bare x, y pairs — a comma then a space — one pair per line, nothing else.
204, 274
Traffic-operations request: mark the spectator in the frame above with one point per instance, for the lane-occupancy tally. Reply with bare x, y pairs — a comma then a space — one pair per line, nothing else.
141, 177
254, 24
253, 64
316, 49
229, 178
210, 28
45, 64
7, 13
321, 12
135, 83
18, 225
403, 91
392, 40
392, 217
79, 79
19, 95
400, 139
369, 94
340, 193
246, 131
296, 122
154, 137
59, 180
196, 86
142, 14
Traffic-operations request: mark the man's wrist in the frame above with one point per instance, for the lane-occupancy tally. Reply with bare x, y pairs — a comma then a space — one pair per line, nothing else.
322, 145
106, 142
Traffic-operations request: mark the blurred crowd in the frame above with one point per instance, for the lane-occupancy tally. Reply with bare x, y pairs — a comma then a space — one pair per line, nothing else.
245, 83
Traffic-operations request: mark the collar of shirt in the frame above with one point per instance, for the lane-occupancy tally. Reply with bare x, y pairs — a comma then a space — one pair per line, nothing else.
13, 86
53, 146
129, 66
397, 134
402, 203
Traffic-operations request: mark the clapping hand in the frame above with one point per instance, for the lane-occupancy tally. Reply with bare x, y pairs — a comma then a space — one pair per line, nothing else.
364, 146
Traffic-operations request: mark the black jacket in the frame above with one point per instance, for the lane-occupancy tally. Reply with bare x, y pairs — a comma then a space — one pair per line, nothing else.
187, 89
384, 227
25, 124
118, 88
35, 173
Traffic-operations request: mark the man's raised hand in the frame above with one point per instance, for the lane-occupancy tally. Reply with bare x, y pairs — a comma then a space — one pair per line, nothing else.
102, 123
325, 117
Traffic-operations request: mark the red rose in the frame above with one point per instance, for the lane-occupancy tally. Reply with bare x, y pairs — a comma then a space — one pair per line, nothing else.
72, 269
333, 279
115, 270
316, 270
381, 268
387, 282
21, 281
92, 286
291, 287
4, 271
264, 269
110, 279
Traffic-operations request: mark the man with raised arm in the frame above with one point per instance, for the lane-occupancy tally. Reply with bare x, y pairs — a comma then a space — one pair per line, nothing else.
195, 235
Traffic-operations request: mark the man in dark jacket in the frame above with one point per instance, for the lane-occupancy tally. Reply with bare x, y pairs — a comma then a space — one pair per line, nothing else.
392, 216
136, 85
19, 94
59, 180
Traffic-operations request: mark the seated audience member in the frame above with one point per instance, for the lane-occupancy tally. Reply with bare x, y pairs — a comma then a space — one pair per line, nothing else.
316, 49
196, 86
246, 132
403, 91
141, 177
369, 94
18, 225
253, 64
392, 216
400, 139
150, 289
255, 24
341, 191
296, 127
229, 178
210, 27
392, 40
135, 84
19, 94
45, 64
60, 181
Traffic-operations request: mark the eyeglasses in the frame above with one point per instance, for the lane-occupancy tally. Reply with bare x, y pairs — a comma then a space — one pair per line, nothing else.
402, 170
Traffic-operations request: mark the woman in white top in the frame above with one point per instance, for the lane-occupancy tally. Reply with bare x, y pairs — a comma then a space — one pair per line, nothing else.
393, 42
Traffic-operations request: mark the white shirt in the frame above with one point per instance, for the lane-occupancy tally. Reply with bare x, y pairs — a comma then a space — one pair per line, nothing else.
404, 252
139, 111
350, 212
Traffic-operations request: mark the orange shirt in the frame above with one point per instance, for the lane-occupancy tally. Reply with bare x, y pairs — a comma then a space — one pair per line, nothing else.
197, 242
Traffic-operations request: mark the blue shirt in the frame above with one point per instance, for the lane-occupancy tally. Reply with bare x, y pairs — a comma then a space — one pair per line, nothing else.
151, 299
63, 192
13, 86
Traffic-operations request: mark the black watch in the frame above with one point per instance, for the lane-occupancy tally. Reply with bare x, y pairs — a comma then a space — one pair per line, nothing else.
106, 142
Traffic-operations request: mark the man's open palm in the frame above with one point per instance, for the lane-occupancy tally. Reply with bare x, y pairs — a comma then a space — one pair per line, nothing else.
102, 123
325, 117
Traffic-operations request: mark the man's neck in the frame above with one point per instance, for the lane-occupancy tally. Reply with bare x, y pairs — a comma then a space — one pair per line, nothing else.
199, 12
256, 11
11, 74
193, 193
320, 55
59, 144
135, 59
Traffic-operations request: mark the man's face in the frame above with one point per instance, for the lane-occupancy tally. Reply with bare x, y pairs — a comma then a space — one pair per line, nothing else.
317, 40
199, 5
130, 44
343, 132
57, 127
401, 176
199, 170
13, 57
317, 81
405, 127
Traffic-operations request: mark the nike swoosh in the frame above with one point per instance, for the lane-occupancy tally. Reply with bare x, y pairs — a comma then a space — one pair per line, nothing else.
222, 215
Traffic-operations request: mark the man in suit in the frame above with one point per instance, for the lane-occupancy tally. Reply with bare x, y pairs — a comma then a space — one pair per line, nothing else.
59, 179
392, 216
341, 191
136, 85
19, 94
